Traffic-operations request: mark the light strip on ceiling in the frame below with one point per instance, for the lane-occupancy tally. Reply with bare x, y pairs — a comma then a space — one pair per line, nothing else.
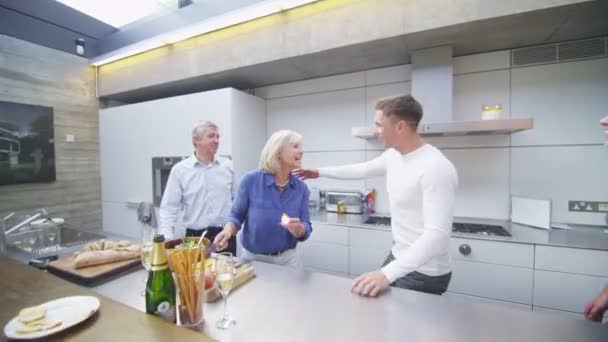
239, 16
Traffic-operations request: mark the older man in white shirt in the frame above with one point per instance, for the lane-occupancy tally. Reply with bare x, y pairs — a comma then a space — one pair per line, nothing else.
203, 186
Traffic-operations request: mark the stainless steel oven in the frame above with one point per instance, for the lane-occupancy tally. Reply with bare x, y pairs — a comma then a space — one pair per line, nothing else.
161, 168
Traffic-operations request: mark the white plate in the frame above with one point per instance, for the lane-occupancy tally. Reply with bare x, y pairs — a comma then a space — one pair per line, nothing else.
69, 310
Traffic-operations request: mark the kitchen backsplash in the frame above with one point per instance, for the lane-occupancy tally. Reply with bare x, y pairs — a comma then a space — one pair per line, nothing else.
561, 158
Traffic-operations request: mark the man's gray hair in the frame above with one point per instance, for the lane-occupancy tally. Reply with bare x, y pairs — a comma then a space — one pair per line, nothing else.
269, 158
201, 127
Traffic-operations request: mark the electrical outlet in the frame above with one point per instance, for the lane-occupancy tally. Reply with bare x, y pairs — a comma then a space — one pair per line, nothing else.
588, 206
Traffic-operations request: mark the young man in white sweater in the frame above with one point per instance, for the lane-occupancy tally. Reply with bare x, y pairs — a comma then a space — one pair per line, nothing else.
421, 184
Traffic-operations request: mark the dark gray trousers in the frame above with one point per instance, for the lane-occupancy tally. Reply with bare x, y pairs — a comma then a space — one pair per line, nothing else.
421, 282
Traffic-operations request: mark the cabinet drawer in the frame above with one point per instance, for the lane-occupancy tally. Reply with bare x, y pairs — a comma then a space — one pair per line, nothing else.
572, 260
329, 233
489, 301
325, 256
508, 283
494, 252
371, 238
565, 291
363, 260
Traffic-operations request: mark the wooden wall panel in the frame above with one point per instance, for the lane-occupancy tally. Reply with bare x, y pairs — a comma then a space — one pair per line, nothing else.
37, 75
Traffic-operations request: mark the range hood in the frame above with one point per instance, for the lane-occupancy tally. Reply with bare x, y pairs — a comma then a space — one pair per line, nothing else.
432, 80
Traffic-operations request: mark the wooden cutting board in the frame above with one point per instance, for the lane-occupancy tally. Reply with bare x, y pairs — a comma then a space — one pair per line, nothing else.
94, 275
244, 273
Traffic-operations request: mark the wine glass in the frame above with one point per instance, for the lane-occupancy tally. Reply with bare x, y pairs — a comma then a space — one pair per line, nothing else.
147, 235
224, 277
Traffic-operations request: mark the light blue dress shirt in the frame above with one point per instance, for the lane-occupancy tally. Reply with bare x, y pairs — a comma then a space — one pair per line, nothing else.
203, 192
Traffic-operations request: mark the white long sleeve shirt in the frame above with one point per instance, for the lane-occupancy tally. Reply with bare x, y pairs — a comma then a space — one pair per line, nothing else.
204, 193
421, 187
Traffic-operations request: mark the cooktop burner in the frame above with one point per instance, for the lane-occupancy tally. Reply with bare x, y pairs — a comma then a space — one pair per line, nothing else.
470, 228
383, 220
482, 229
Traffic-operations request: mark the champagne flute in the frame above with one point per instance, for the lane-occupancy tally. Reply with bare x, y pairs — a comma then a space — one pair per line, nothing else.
224, 275
147, 235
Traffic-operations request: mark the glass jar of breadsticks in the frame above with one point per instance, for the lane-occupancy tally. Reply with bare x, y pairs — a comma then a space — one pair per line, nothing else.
187, 263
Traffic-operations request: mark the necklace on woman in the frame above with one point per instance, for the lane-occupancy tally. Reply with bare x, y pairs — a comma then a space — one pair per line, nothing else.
284, 184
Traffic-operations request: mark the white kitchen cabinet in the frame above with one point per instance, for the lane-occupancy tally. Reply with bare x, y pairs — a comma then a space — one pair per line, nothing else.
481, 193
572, 260
323, 119
326, 257
131, 135
119, 219
329, 233
501, 282
371, 238
368, 249
536, 88
313, 86
375, 93
493, 252
321, 159
565, 291
474, 90
363, 260
388, 75
482, 62
535, 171
327, 249
489, 301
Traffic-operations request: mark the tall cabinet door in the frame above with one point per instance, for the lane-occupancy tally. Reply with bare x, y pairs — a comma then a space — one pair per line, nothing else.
131, 135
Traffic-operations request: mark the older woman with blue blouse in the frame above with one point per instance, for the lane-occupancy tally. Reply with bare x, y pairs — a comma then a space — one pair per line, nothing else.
271, 205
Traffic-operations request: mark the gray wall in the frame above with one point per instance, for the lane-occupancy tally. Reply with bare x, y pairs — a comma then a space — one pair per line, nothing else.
562, 158
37, 75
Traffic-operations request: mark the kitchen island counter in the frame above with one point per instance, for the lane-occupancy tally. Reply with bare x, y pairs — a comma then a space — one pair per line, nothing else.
282, 304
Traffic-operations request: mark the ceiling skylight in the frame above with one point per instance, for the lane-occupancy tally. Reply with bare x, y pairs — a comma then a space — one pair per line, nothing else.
117, 12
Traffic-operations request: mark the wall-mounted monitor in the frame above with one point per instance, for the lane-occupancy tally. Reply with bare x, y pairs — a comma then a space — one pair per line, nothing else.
27, 146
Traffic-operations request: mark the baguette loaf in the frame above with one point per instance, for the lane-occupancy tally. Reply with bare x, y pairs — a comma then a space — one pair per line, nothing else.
105, 252
92, 258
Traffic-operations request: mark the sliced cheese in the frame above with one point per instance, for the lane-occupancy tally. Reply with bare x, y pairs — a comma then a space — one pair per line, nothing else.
285, 219
31, 314
40, 325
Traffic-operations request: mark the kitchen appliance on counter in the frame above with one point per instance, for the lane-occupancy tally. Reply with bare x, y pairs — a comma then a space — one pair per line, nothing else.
161, 168
458, 227
351, 201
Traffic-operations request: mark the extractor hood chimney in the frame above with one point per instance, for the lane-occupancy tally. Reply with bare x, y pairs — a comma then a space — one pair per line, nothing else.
432, 81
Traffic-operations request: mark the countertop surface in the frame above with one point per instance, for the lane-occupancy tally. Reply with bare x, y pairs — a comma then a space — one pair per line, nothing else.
282, 304
580, 236
22, 286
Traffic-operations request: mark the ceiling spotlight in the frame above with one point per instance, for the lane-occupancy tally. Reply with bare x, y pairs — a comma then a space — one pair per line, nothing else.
80, 43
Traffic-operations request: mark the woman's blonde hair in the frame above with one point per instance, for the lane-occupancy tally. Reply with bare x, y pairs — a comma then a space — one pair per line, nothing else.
269, 158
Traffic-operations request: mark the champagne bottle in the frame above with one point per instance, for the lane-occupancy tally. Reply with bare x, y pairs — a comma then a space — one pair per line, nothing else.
160, 288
